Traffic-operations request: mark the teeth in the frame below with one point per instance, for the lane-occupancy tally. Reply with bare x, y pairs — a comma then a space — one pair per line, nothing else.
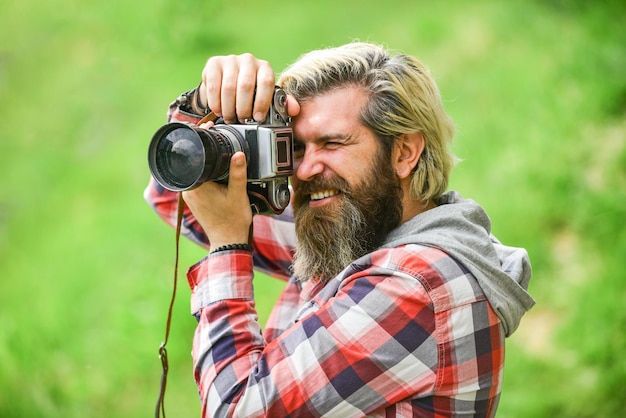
323, 194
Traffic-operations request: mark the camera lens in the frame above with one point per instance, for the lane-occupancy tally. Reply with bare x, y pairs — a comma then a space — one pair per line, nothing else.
183, 156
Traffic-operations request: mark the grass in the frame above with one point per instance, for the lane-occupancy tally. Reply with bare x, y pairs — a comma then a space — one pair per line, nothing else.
538, 95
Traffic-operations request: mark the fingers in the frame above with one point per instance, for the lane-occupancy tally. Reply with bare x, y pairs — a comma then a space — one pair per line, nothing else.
237, 87
211, 86
265, 83
293, 107
207, 125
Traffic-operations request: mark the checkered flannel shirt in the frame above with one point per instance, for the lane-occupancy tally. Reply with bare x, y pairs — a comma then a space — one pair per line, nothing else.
401, 332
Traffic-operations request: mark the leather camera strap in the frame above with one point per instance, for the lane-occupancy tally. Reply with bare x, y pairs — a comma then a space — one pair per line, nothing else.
209, 117
160, 406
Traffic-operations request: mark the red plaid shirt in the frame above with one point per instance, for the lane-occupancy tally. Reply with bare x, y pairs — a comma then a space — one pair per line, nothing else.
402, 332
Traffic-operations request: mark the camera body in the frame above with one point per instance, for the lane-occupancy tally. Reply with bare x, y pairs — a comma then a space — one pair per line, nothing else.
181, 156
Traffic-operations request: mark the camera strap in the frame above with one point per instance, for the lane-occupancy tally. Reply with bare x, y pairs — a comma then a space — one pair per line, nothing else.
160, 406
209, 117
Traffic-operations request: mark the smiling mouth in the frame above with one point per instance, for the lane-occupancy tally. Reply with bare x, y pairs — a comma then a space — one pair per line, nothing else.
323, 194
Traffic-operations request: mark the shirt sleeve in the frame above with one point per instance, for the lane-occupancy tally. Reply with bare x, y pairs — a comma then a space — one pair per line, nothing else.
369, 346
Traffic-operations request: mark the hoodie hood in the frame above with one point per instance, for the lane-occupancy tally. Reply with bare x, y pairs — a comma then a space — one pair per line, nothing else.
461, 228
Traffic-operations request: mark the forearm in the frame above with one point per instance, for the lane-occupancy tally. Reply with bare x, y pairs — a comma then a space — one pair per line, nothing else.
228, 338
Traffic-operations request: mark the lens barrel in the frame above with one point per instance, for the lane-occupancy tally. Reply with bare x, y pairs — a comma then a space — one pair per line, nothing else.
182, 156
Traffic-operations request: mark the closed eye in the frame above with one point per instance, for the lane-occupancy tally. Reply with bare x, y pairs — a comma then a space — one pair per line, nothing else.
332, 144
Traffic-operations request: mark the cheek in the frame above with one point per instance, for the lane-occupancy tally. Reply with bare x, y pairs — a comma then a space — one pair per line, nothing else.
359, 168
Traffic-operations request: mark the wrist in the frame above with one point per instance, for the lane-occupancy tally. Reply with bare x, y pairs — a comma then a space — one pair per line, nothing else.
221, 240
189, 102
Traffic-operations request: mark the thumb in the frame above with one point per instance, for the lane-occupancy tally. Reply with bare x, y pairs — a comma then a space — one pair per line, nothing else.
293, 107
238, 175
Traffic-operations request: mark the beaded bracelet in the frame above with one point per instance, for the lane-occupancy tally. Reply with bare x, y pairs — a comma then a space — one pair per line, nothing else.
244, 247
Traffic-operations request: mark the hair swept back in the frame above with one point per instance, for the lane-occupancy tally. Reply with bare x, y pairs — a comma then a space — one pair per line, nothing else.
403, 98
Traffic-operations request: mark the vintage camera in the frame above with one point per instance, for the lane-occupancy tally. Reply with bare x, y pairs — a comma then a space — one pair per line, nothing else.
181, 156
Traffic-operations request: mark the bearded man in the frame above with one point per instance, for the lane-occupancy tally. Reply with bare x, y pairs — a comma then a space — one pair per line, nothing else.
398, 298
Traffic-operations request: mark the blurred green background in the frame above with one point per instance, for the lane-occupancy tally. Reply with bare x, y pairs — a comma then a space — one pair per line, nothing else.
538, 93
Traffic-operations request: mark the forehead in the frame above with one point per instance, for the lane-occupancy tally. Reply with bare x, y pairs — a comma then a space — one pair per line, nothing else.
336, 111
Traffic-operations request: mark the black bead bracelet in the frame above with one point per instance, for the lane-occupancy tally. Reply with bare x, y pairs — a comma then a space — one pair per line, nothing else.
244, 247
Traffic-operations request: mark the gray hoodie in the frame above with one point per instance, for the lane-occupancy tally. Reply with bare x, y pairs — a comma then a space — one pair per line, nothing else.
461, 228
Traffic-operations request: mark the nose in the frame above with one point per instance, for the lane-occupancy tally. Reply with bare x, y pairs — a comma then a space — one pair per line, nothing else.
309, 165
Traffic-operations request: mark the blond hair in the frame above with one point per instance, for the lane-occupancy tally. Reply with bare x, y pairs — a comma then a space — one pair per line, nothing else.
403, 98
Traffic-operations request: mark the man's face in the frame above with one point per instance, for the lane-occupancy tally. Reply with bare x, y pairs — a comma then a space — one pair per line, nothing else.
347, 195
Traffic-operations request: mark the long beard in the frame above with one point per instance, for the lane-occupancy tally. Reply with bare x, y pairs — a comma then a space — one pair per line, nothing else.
332, 236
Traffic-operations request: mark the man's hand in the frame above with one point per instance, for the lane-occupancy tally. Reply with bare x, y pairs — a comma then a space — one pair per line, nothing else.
229, 83
237, 87
224, 211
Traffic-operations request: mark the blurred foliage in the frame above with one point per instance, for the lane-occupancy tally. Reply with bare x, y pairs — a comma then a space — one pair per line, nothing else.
538, 93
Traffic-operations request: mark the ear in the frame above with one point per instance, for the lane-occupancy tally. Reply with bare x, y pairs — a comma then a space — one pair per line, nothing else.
407, 151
